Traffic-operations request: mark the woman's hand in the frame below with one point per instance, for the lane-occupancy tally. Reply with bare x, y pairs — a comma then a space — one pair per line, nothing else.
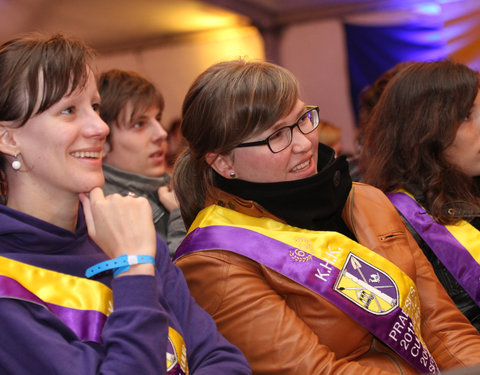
168, 198
121, 225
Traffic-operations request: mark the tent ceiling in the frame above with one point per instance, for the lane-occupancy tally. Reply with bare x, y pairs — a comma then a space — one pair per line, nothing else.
110, 25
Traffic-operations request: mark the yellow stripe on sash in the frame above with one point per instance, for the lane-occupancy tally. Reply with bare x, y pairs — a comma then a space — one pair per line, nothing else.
463, 231
468, 236
59, 288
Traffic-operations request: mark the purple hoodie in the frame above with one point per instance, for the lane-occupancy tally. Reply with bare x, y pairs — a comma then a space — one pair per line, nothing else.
35, 341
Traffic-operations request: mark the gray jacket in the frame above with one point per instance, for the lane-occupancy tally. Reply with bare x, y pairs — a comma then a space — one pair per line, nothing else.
169, 226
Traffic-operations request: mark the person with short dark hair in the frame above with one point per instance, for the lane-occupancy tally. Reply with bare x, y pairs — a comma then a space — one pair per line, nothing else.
135, 157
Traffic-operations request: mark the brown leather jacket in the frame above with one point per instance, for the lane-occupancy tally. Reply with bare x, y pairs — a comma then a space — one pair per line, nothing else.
284, 328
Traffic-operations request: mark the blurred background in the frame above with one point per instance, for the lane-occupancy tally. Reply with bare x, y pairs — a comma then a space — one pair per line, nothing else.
334, 47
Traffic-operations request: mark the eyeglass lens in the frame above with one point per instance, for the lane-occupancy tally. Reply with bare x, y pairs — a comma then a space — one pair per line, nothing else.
283, 137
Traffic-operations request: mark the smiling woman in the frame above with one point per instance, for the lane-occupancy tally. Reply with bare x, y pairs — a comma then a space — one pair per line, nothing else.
57, 231
30, 128
307, 272
73, 165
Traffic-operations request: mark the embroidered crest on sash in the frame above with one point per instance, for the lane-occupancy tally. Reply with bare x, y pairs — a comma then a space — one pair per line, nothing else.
176, 354
367, 286
301, 252
172, 358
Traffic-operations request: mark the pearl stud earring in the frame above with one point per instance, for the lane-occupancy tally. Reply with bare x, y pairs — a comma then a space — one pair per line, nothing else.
16, 164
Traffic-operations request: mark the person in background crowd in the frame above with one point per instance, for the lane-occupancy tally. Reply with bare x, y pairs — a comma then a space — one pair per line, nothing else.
85, 288
369, 97
422, 147
136, 148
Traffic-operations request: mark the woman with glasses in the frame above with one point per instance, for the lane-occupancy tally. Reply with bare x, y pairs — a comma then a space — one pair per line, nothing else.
431, 172
304, 271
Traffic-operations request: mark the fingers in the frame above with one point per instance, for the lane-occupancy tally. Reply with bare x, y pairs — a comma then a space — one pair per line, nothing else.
122, 225
89, 202
168, 198
87, 211
96, 194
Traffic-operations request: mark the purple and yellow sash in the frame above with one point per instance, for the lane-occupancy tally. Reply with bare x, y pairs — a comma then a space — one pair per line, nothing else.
456, 246
81, 304
363, 284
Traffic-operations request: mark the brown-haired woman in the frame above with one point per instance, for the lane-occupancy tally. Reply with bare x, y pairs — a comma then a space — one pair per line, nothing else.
62, 309
304, 271
422, 145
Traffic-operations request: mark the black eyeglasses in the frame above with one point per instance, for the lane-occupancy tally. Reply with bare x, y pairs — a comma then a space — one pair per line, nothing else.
280, 139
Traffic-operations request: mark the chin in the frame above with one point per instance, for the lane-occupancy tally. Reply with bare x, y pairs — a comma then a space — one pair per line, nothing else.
87, 187
155, 173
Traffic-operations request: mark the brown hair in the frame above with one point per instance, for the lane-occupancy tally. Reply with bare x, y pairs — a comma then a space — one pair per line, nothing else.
370, 95
226, 104
36, 71
119, 87
415, 120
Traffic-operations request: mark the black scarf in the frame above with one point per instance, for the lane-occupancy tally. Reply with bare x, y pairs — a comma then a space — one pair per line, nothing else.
314, 203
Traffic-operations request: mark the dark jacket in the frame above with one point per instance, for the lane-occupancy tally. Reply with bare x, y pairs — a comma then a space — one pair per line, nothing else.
169, 225
456, 292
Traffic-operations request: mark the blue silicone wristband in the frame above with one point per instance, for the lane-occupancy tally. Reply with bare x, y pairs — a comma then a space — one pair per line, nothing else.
119, 265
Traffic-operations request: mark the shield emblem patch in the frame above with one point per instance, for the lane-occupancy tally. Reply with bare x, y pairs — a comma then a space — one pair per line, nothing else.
367, 286
171, 355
